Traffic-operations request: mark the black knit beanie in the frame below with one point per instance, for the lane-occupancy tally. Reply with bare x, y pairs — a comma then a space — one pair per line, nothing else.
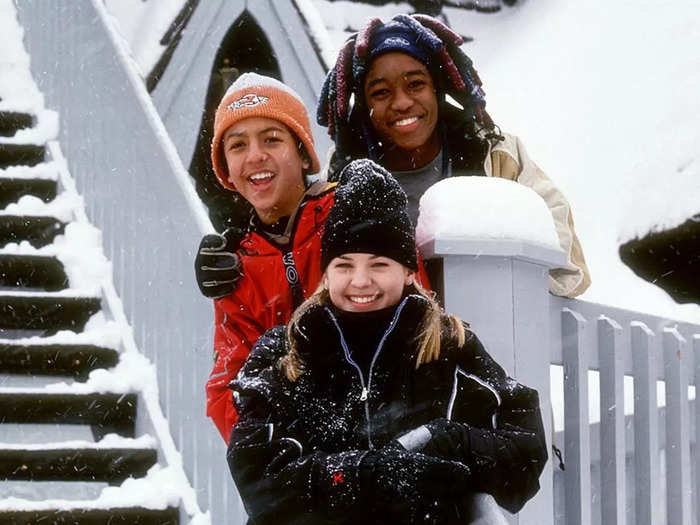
369, 216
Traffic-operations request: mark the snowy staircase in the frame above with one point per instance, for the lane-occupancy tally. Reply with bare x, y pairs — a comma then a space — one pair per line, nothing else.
69, 398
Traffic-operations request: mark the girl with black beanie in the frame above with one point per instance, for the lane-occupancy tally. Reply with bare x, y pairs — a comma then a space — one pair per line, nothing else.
371, 404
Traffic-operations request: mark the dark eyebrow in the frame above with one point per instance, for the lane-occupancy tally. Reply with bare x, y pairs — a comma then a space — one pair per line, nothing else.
268, 129
271, 128
231, 133
413, 72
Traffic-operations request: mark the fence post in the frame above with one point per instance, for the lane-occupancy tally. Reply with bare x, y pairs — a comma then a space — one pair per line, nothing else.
612, 422
696, 351
500, 287
646, 426
678, 488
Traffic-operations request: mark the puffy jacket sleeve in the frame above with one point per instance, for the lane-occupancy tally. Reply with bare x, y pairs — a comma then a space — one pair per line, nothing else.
507, 456
509, 160
236, 330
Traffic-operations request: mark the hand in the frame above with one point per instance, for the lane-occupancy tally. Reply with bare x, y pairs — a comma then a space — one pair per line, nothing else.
398, 475
449, 440
481, 450
217, 266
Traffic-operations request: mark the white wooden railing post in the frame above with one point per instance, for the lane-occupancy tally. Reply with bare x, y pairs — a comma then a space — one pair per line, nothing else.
678, 487
501, 288
646, 426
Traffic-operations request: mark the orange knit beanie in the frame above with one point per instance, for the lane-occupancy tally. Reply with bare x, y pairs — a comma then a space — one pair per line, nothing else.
253, 95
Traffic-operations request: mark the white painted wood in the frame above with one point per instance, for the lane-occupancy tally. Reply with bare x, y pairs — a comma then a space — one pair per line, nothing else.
505, 299
678, 490
646, 427
611, 352
577, 449
696, 498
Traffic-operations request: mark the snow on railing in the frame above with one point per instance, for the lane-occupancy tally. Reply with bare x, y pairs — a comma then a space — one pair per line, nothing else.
137, 192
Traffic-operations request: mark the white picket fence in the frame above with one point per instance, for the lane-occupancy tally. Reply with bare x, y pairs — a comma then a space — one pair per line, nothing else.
633, 481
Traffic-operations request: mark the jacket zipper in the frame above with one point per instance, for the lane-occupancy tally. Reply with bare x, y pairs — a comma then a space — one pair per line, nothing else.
364, 396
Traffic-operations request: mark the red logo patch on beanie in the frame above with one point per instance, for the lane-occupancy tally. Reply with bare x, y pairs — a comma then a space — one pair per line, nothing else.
249, 100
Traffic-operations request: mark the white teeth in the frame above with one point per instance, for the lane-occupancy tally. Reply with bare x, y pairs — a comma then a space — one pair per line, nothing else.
405, 121
261, 176
363, 299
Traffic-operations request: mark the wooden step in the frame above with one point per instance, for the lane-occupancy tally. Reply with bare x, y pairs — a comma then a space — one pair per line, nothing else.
121, 516
55, 359
112, 465
38, 231
46, 312
14, 188
21, 154
32, 272
13, 121
105, 413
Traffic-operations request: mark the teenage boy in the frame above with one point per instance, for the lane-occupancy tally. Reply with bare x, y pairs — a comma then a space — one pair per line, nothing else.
263, 149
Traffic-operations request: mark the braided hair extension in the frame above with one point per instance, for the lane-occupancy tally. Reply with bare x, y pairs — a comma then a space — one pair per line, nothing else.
342, 108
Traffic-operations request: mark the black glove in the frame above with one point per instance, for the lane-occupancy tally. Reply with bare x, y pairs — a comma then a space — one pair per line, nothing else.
217, 266
485, 452
396, 477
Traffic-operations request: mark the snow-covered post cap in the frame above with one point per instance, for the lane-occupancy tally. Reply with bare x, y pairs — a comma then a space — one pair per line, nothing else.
487, 216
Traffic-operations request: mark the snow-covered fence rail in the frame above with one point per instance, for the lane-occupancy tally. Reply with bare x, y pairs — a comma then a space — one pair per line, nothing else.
138, 193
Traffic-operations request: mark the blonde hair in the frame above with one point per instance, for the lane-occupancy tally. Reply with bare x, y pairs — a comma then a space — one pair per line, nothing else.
429, 333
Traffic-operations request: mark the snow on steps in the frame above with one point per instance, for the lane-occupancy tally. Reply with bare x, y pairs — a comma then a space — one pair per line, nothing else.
112, 459
13, 121
32, 272
52, 284
46, 311
21, 154
12, 188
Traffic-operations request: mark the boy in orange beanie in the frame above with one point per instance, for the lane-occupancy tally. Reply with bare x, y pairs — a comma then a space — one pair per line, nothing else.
262, 149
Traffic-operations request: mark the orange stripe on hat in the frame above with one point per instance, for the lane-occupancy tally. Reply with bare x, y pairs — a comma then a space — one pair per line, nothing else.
253, 95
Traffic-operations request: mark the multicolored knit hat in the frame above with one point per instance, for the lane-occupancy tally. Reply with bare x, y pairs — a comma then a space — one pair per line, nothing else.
253, 95
420, 36
369, 215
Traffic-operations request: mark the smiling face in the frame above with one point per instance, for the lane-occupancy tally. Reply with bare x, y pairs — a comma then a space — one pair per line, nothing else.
403, 108
265, 166
363, 282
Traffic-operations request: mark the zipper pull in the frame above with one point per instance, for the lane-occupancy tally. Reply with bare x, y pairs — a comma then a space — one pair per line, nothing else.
363, 396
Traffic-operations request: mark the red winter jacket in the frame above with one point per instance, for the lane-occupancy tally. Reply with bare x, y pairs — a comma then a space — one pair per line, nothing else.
263, 297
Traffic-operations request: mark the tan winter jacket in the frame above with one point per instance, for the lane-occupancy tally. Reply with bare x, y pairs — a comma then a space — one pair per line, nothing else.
509, 160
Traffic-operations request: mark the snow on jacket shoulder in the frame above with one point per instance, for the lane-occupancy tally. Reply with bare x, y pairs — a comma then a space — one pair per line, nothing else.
296, 454
509, 160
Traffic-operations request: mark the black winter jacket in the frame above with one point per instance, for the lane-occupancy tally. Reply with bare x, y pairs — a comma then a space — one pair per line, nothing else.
299, 451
